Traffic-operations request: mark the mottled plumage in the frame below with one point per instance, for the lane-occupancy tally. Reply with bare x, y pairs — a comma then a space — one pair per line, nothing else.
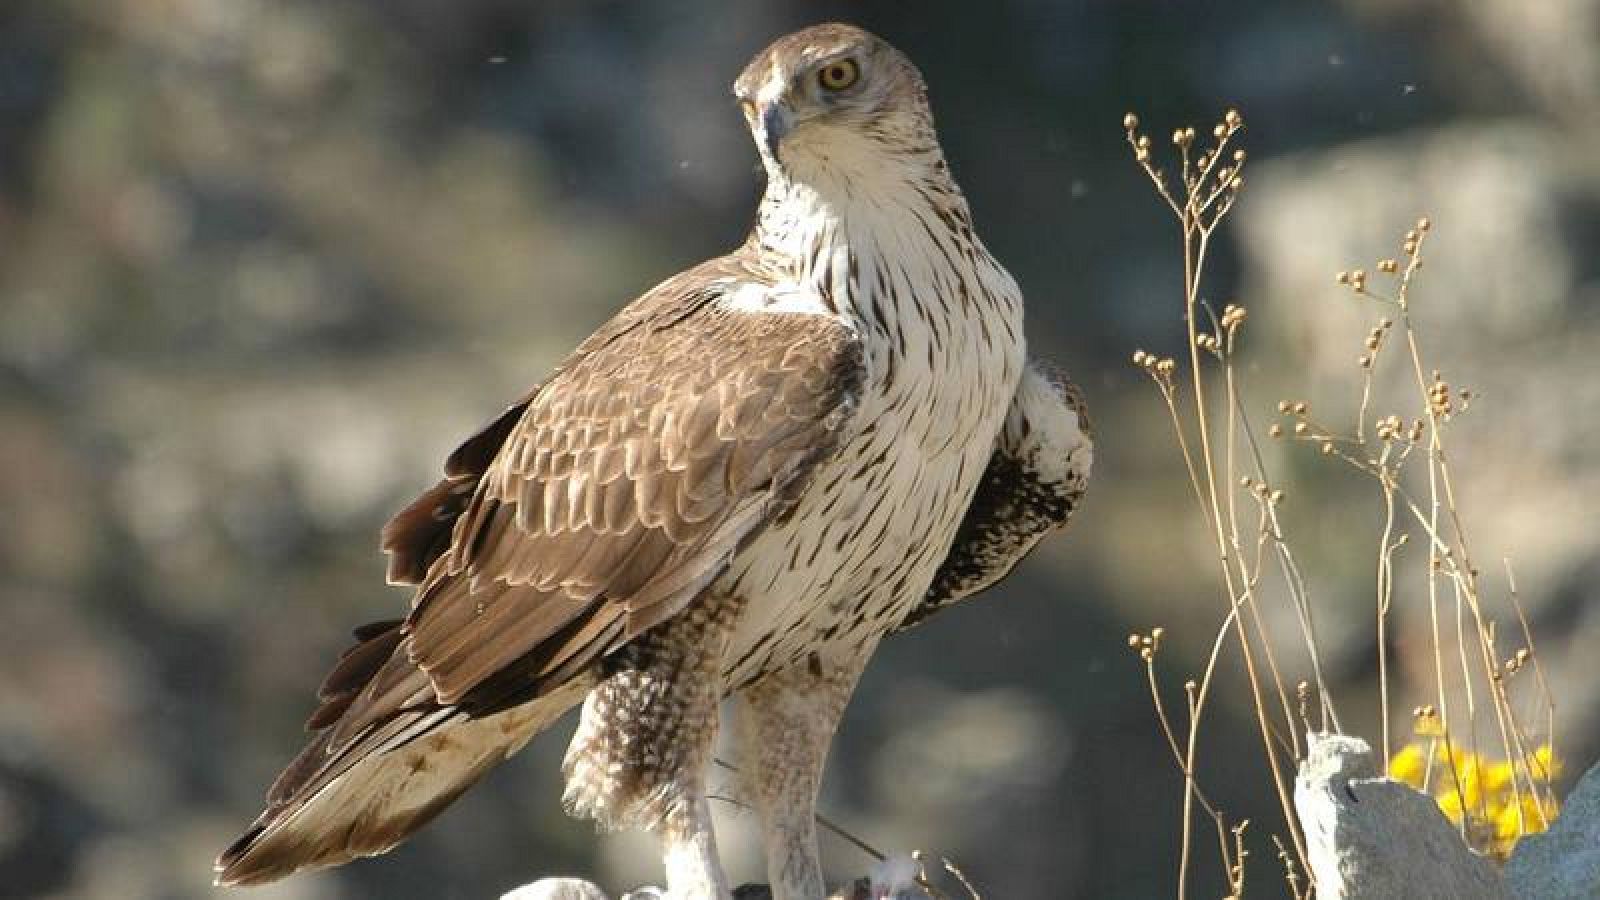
736, 487
1033, 482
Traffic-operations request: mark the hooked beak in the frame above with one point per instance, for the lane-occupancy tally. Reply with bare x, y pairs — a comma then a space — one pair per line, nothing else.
776, 123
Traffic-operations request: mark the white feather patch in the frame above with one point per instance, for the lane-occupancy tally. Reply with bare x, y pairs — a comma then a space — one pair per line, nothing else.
1053, 440
778, 298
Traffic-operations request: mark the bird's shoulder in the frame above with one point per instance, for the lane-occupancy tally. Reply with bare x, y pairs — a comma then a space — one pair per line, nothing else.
726, 311
621, 485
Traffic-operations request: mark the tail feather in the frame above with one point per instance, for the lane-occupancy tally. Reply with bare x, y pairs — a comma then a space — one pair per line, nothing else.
349, 797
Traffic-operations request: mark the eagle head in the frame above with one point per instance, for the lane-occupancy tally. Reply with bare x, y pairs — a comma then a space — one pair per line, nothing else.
834, 96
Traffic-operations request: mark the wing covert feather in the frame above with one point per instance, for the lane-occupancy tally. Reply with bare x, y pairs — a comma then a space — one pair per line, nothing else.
628, 479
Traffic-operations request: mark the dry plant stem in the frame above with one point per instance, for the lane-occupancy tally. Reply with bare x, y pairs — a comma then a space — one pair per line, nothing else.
1464, 581
1449, 558
1212, 461
1385, 585
1502, 713
1546, 777
1431, 521
1186, 759
1250, 575
1385, 473
1171, 735
1231, 862
1183, 442
955, 872
1464, 665
1236, 871
1512, 737
1196, 240
1191, 267
1293, 580
1500, 702
1166, 726
1385, 594
1290, 876
1204, 203
1179, 755
1541, 797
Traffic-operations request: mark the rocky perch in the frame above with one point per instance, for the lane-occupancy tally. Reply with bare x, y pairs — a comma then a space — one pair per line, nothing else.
1370, 837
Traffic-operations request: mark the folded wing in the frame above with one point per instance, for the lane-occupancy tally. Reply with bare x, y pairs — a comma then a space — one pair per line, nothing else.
594, 509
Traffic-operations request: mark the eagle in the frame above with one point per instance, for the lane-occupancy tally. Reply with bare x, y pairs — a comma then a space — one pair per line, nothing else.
732, 491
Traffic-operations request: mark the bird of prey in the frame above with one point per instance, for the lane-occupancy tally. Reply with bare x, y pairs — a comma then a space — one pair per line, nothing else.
734, 489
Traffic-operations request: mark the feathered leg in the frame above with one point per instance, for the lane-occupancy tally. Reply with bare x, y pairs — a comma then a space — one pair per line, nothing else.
640, 753
787, 721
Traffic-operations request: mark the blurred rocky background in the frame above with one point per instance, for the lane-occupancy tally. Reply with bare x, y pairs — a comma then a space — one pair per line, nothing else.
262, 263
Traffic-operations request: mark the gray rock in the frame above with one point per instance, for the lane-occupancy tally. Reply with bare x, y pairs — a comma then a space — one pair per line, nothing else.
1563, 862
1369, 837
560, 888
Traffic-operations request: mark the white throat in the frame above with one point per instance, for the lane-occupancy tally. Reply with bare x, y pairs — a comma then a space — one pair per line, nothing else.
877, 240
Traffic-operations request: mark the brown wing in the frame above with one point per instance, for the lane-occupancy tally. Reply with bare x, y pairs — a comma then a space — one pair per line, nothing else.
626, 483
588, 512
421, 533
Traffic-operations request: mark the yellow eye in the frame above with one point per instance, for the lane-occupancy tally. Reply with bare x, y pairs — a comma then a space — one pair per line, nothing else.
836, 76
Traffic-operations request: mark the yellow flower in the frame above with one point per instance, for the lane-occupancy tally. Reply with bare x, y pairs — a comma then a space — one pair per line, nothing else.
1450, 804
1468, 782
1409, 765
1495, 799
1531, 816
1448, 754
1498, 777
1543, 764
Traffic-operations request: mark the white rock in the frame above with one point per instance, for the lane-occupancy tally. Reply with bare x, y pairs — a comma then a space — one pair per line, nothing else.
1372, 838
557, 889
